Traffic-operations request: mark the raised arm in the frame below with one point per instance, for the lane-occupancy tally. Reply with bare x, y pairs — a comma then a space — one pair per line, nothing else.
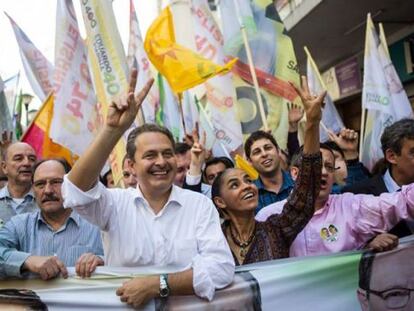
299, 207
120, 116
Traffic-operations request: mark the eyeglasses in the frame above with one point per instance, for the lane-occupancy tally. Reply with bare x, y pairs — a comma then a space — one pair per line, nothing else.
41, 184
330, 168
395, 298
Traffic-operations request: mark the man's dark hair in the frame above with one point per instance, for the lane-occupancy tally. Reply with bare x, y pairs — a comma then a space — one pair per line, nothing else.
297, 157
365, 270
255, 136
224, 160
104, 178
24, 297
393, 135
145, 128
66, 166
181, 148
334, 147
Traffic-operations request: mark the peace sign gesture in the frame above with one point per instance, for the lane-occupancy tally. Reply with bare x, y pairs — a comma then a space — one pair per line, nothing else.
198, 152
312, 104
122, 112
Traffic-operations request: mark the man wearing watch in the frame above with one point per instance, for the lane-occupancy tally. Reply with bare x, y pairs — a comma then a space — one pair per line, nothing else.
164, 288
156, 223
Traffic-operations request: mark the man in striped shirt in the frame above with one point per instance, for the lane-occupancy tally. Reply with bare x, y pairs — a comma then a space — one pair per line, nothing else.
46, 241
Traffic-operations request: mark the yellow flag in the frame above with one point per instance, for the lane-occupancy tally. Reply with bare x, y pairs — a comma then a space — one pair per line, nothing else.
182, 68
245, 166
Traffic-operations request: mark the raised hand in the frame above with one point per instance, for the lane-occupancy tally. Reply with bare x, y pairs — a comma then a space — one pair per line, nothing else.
312, 104
122, 112
6, 140
198, 152
295, 114
347, 140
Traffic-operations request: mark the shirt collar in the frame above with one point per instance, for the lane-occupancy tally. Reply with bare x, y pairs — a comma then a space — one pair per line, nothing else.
287, 182
390, 183
73, 216
174, 195
4, 193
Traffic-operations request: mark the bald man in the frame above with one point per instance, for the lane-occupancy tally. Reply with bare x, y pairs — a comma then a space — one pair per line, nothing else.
16, 197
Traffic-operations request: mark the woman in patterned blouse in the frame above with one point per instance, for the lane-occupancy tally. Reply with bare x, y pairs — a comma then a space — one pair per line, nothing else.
236, 198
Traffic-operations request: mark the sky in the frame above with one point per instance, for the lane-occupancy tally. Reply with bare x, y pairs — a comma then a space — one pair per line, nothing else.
37, 19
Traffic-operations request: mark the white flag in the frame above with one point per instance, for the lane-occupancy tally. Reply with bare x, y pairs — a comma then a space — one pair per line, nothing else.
383, 95
221, 95
39, 70
75, 119
330, 116
137, 58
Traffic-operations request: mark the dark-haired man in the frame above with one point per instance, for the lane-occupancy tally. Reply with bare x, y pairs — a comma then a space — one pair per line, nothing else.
157, 223
183, 156
16, 197
46, 241
397, 142
274, 184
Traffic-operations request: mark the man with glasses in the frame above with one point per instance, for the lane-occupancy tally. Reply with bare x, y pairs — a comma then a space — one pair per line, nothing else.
346, 221
386, 280
46, 241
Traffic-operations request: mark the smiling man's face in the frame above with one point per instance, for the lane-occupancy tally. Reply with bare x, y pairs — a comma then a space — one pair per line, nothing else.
155, 163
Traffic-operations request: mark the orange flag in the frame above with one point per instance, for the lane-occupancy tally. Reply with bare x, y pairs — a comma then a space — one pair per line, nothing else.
37, 134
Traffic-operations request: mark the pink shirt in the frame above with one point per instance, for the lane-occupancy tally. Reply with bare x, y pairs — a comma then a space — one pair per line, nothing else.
348, 221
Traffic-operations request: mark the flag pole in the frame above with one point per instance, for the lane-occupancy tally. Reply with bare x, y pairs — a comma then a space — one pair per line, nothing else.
313, 64
251, 66
180, 105
362, 133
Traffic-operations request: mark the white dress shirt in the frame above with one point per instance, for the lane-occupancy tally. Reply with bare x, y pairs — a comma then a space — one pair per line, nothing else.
186, 233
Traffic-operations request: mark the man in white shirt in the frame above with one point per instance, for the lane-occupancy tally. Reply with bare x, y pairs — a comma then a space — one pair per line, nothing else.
155, 224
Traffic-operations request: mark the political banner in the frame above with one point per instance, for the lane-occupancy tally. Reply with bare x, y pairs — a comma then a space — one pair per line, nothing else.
137, 58
75, 116
359, 280
107, 63
39, 70
221, 108
6, 122
330, 116
383, 95
274, 61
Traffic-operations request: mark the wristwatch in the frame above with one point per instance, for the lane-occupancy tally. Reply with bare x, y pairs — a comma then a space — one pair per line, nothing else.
164, 288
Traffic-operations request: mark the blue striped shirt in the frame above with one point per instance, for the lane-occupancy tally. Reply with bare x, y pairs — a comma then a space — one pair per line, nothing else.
9, 208
28, 234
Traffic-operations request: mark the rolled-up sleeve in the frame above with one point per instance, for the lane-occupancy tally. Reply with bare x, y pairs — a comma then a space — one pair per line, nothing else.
379, 214
213, 267
95, 205
11, 260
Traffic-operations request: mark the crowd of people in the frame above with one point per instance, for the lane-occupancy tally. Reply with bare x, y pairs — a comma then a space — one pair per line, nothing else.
185, 208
